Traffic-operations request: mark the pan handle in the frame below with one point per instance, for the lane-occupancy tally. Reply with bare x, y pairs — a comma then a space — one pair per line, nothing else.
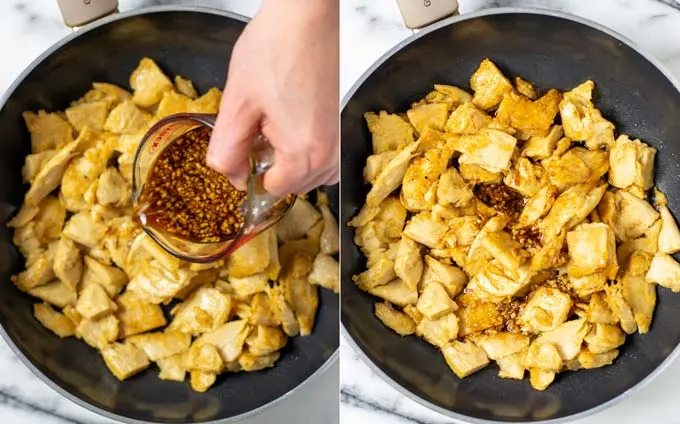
418, 14
77, 13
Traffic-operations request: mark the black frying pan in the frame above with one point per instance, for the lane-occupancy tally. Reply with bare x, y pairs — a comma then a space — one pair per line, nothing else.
553, 50
194, 43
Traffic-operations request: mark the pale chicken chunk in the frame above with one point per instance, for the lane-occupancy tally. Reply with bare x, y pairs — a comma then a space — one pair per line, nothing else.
526, 177
185, 86
389, 132
98, 333
34, 163
156, 284
391, 176
567, 171
173, 102
585, 286
68, 262
638, 292
547, 308
48, 130
124, 360
541, 379
94, 303
451, 278
525, 88
398, 321
201, 381
533, 118
439, 332
543, 356
111, 278
396, 292
425, 230
570, 208
669, 236
148, 83
298, 221
228, 339
161, 345
83, 229
475, 174
376, 163
137, 316
54, 321
419, 185
589, 360
206, 309
265, 340
505, 250
380, 272
247, 286
38, 273
664, 271
604, 337
127, 118
452, 189
303, 299
452, 96
90, 114
631, 163
408, 264
538, 147
329, 242
581, 121
431, 115
112, 189
537, 206
592, 249
171, 368
490, 149
489, 85
620, 308
462, 231
467, 120
512, 366
203, 357
431, 138
502, 344
434, 302
250, 362
464, 358
208, 102
56, 293
598, 310
567, 338
491, 284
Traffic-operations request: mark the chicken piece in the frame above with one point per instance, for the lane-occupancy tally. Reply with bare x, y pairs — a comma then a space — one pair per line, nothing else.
112, 189
440, 331
525, 88
303, 298
492, 285
227, 338
90, 114
68, 262
201, 381
434, 302
391, 176
48, 130
252, 258
114, 93
570, 208
111, 278
477, 256
592, 249
137, 316
539, 148
172, 368
420, 181
326, 273
489, 149
639, 294
56, 293
155, 251
82, 229
589, 360
250, 362
408, 265
448, 94
173, 102
512, 366
425, 230
149, 83
541, 379
631, 163
298, 221
467, 120
581, 121
505, 249
26, 240
537, 206
207, 103
375, 164
669, 236
39, 273
567, 338
396, 292
127, 118
431, 115
98, 333
124, 360
464, 358
629, 216
547, 308
451, 278
203, 357
398, 321
531, 117
93, 302
475, 316
330, 236
462, 231
525, 177
52, 320
489, 85
161, 345
596, 160
598, 310
502, 344
23, 216
389, 132
247, 286
185, 86
412, 312
34, 163
282, 311
604, 337
265, 340
664, 271
205, 310
392, 216
620, 309
430, 139
567, 171
453, 190
543, 356
156, 284
80, 182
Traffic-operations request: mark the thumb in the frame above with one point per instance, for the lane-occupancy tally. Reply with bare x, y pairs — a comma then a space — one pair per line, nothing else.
236, 125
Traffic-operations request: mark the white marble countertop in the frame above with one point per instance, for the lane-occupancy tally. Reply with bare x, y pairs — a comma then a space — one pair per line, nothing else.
369, 29
29, 27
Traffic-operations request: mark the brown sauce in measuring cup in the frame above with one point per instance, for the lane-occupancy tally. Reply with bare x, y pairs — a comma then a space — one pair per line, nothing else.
185, 198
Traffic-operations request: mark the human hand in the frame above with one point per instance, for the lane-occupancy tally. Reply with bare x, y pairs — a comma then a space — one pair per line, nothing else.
283, 81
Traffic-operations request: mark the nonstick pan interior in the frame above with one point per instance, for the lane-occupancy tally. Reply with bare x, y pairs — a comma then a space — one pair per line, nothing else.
195, 44
552, 51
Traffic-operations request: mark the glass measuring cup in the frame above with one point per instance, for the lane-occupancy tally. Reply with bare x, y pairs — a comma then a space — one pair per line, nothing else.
260, 209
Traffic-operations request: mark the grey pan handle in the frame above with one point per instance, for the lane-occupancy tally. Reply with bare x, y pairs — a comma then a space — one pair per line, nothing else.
421, 13
77, 13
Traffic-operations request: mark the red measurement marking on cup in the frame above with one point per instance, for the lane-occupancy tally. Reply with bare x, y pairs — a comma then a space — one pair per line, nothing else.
160, 137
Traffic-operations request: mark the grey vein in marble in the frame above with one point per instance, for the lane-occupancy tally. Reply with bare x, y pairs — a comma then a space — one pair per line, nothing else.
349, 398
16, 402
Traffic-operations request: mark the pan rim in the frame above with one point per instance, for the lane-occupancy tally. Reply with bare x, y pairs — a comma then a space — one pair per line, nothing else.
369, 72
8, 339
